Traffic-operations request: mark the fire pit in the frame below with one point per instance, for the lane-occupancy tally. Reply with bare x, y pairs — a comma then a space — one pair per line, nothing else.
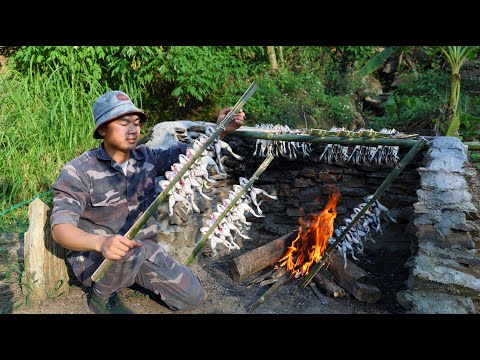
392, 260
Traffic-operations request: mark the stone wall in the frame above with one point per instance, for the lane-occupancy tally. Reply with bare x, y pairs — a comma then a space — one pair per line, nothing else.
305, 183
445, 264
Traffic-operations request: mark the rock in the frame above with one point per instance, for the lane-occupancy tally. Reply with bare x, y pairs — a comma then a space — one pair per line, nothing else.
428, 302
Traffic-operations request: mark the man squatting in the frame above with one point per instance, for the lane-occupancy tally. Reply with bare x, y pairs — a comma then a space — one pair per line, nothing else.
99, 195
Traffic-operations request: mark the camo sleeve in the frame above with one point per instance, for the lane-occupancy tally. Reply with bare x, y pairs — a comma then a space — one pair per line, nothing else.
70, 193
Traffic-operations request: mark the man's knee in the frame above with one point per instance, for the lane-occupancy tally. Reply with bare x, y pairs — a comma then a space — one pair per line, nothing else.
192, 294
197, 296
193, 298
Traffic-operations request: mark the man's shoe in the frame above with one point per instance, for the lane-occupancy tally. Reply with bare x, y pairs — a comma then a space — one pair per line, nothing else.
111, 306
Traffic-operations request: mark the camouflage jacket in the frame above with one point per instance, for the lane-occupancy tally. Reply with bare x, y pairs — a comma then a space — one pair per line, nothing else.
93, 193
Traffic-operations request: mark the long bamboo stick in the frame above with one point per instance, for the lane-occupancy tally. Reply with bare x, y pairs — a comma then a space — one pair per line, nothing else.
324, 136
388, 180
358, 134
245, 188
472, 145
142, 219
404, 143
284, 279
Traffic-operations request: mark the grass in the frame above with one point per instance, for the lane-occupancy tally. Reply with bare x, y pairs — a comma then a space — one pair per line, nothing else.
11, 268
45, 121
10, 275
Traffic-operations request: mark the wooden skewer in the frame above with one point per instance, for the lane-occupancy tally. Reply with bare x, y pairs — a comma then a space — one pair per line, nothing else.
282, 281
142, 219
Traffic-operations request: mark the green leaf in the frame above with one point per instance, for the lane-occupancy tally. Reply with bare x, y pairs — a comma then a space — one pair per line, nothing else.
375, 62
453, 127
411, 103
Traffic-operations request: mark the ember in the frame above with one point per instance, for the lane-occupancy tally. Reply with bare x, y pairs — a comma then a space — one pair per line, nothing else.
312, 239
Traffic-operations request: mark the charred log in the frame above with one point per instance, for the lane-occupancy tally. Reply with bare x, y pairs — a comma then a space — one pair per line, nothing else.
354, 279
328, 286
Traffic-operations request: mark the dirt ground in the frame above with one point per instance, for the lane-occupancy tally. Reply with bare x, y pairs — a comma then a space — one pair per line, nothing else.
224, 295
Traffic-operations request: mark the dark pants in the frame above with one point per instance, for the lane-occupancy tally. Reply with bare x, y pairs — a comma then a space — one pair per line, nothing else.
149, 266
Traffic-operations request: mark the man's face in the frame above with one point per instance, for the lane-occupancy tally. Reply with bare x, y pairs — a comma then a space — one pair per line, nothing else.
121, 134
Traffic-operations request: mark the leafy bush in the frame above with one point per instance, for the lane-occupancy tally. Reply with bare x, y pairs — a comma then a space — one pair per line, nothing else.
46, 103
297, 100
355, 56
45, 121
182, 75
469, 127
415, 102
111, 65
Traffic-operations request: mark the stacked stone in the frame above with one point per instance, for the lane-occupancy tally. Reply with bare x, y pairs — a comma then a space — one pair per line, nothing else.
445, 276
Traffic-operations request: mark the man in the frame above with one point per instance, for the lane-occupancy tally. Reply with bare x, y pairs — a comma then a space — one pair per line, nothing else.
99, 195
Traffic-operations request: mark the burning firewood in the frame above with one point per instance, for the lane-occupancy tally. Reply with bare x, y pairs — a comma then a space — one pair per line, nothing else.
260, 258
297, 251
306, 246
312, 239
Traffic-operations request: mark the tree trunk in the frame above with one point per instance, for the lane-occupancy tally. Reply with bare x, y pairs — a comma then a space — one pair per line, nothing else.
45, 275
272, 57
280, 55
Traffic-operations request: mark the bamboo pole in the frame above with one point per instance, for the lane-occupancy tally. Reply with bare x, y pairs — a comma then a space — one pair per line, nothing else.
284, 279
404, 143
359, 134
204, 239
142, 219
325, 136
472, 145
389, 179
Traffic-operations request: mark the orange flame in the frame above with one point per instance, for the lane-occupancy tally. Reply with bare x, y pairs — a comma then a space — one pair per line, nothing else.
312, 237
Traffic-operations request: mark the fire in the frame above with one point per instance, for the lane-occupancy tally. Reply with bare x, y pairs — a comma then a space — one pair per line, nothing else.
312, 238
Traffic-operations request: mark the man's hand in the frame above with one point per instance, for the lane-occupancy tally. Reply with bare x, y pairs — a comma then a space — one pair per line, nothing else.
115, 247
112, 247
237, 121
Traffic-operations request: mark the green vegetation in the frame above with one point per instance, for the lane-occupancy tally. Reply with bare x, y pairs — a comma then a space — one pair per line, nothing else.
45, 121
412, 102
11, 268
415, 102
456, 55
46, 95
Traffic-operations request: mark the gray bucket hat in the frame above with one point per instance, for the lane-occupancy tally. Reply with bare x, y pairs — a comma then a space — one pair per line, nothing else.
111, 106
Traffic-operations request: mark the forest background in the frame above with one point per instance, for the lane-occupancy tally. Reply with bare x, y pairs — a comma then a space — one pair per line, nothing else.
47, 93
